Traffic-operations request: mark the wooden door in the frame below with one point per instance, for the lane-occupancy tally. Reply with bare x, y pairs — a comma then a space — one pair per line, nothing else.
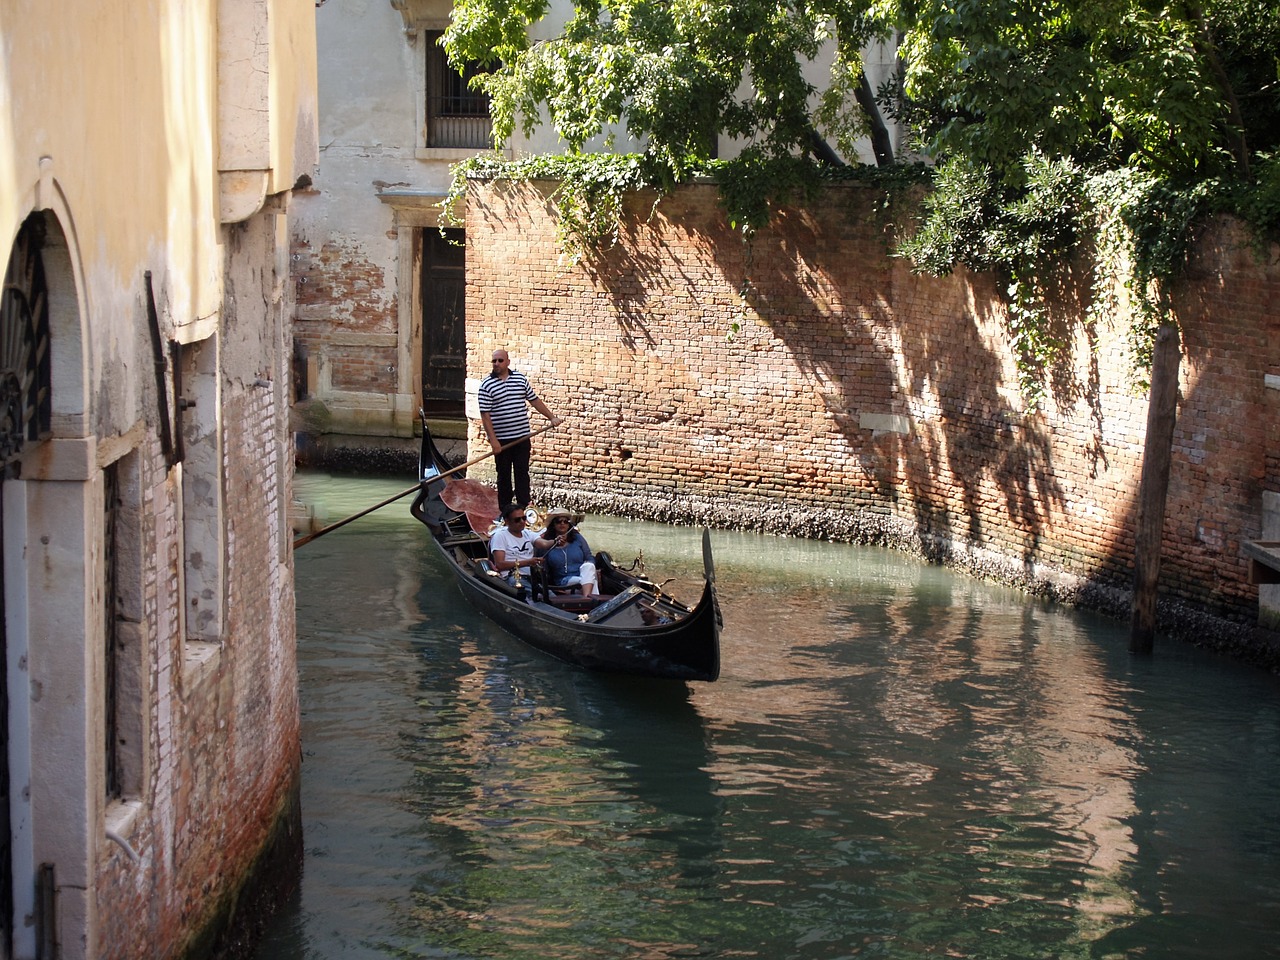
444, 333
25, 416
6, 837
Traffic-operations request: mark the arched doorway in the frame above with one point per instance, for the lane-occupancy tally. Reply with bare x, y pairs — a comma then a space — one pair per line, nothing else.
25, 414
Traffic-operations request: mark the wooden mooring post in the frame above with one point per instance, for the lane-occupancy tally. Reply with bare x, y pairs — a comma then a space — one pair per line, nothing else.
1162, 414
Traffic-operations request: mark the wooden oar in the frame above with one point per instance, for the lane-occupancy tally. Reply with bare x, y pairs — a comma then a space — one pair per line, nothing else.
417, 486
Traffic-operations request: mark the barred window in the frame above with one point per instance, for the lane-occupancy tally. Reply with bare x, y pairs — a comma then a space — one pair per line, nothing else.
457, 116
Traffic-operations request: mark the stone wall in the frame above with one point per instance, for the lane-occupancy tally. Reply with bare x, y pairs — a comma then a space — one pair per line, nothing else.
808, 382
152, 753
346, 316
222, 732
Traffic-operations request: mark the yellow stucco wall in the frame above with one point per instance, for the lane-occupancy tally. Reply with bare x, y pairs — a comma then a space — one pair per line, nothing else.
134, 128
109, 116
116, 100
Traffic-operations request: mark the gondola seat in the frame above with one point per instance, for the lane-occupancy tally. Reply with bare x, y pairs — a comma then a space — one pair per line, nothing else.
575, 602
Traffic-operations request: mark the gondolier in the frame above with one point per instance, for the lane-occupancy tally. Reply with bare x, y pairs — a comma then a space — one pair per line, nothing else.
504, 400
631, 626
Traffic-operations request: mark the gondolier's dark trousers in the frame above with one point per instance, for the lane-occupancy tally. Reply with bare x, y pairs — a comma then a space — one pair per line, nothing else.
512, 465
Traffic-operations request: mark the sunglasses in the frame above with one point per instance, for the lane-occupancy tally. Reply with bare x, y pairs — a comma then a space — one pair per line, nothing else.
499, 361
560, 520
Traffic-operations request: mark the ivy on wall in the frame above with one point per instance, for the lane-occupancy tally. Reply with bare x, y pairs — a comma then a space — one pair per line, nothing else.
1057, 131
1134, 229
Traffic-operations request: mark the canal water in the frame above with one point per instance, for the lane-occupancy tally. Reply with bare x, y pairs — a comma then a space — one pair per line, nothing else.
896, 762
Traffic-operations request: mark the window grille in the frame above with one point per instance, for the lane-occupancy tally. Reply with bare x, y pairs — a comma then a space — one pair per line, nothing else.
111, 499
457, 116
25, 371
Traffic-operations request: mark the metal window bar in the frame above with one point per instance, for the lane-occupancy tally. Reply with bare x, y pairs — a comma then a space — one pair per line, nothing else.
471, 133
457, 116
111, 498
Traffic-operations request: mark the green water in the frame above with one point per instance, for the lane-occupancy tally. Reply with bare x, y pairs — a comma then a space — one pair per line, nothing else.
896, 762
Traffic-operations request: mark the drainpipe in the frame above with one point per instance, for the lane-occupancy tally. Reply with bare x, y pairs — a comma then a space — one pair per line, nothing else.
124, 844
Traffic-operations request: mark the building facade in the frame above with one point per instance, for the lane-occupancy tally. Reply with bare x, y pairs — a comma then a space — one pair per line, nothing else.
381, 294
148, 156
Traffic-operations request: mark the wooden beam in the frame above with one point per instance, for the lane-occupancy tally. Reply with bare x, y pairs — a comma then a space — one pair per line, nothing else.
1157, 455
1264, 560
1261, 573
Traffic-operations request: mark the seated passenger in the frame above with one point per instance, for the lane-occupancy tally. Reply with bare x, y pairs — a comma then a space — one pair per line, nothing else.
567, 556
514, 546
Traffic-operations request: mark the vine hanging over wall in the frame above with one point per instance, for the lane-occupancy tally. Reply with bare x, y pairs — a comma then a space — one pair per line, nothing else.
591, 188
1134, 228
1061, 133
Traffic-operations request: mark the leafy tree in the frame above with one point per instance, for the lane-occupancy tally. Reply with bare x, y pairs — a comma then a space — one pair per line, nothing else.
1154, 114
1050, 123
1181, 91
676, 73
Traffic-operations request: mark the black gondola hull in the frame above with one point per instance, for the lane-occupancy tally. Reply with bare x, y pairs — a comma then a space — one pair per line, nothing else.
685, 648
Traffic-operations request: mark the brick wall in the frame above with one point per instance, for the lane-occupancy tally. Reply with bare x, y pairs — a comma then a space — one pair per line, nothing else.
859, 401
223, 730
346, 315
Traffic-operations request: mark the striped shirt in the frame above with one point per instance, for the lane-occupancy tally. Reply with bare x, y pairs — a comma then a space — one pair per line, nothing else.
506, 401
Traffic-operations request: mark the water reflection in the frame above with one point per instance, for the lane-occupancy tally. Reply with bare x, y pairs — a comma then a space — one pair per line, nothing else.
895, 763
561, 814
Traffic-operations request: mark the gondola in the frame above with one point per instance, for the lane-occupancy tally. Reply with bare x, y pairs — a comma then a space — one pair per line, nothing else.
631, 627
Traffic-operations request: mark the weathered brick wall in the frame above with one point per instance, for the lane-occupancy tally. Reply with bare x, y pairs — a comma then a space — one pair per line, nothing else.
132, 919
346, 315
860, 401
224, 725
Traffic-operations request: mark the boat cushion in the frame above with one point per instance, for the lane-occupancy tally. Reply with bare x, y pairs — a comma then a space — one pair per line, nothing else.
576, 602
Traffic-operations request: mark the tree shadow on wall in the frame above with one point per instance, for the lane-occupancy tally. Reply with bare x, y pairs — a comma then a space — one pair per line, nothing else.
901, 364
624, 276
822, 297
878, 341
646, 276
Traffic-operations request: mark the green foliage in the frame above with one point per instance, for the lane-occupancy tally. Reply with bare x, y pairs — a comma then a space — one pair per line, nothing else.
590, 188
1258, 202
754, 181
1057, 127
1107, 83
1161, 114
672, 73
588, 197
975, 219
1160, 221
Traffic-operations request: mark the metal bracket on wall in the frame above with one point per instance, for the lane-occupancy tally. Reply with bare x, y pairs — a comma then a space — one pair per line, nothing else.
161, 364
170, 422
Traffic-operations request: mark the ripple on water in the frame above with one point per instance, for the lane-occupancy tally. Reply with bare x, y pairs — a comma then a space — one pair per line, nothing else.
896, 763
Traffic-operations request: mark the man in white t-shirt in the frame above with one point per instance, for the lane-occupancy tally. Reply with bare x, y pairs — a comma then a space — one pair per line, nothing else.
512, 547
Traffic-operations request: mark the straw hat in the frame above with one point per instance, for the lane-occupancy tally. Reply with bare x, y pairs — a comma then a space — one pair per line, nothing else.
555, 512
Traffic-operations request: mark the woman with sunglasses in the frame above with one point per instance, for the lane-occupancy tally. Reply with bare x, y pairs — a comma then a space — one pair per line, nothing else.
568, 558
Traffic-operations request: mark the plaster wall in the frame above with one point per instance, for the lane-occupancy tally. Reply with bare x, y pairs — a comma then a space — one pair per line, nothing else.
357, 250
125, 136
346, 248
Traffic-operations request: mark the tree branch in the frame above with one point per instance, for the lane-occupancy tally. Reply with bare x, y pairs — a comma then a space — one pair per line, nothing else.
881, 142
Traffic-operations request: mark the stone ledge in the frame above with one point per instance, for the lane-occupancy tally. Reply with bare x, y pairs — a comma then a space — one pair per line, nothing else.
374, 456
1178, 621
